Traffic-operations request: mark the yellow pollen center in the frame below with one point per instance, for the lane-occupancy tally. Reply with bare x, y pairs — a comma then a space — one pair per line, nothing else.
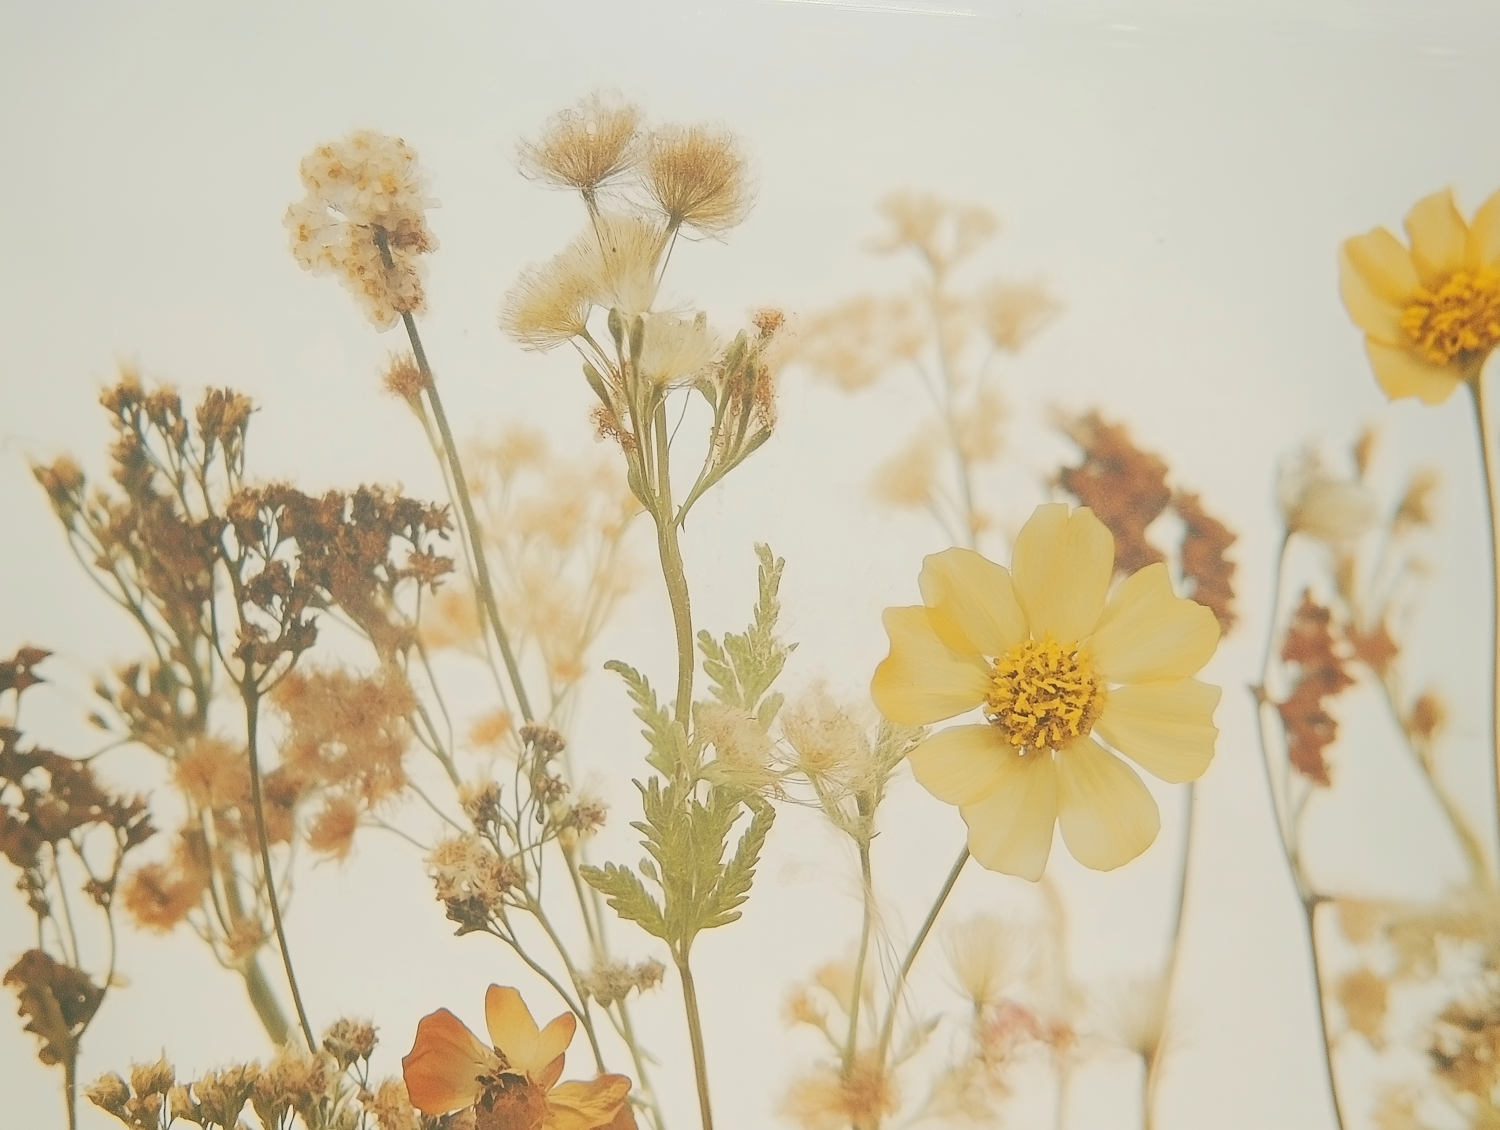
1460, 321
1044, 694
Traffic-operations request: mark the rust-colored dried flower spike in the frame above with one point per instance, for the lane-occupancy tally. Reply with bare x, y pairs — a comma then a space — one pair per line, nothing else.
1311, 646
586, 145
698, 177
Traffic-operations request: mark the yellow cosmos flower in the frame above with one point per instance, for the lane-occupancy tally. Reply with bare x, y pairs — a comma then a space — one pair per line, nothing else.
514, 1083
1431, 312
1055, 663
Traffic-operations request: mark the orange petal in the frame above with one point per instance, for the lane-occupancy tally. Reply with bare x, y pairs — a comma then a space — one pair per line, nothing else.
586, 1106
515, 1033
443, 1068
922, 679
549, 1075
1402, 373
1438, 237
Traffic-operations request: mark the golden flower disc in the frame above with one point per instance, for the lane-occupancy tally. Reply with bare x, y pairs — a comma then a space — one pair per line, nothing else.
1459, 321
1044, 695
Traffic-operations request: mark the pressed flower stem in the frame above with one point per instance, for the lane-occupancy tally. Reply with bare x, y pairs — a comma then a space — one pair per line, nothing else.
695, 1037
1492, 499
263, 1000
1153, 1062
461, 489
1310, 915
672, 568
867, 891
70, 1088
252, 726
889, 1027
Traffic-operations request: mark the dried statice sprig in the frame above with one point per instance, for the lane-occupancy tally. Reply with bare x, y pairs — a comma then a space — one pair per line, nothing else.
69, 837
226, 581
1344, 629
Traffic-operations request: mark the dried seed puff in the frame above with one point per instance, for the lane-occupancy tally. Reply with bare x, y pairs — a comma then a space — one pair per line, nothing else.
1430, 311
586, 145
697, 176
1056, 662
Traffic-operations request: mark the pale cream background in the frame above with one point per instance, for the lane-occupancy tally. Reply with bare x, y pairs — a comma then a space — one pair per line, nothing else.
1180, 172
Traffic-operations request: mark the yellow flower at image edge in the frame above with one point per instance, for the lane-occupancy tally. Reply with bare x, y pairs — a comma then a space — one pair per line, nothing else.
512, 1085
1431, 312
1055, 662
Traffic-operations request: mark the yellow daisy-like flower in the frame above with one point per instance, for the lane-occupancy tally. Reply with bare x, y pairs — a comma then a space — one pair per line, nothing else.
1055, 662
1431, 312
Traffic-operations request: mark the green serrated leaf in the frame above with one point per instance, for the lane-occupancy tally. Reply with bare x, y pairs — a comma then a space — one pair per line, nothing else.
627, 897
668, 740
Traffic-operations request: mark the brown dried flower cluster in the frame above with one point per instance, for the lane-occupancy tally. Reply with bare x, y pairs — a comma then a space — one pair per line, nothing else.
364, 221
1127, 488
1310, 645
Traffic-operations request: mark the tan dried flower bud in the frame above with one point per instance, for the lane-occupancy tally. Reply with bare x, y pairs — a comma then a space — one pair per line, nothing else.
1313, 502
742, 750
826, 1100
1428, 717
1418, 504
907, 478
985, 958
62, 480
152, 1078
677, 349
1362, 995
391, 1108
180, 1103
585, 146
109, 1092
543, 738
1014, 313
698, 177
402, 378
222, 1094
332, 830
466, 867
490, 730
802, 1009
610, 982
349, 1041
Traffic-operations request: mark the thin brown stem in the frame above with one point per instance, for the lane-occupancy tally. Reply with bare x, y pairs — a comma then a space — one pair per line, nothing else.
252, 725
70, 1087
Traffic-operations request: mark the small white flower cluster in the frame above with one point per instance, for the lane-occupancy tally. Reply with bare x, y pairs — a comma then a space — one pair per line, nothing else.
363, 220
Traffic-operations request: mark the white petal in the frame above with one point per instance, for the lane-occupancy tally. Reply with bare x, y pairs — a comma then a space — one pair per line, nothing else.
1062, 566
922, 680
1165, 728
1149, 633
978, 596
961, 765
1108, 816
1011, 830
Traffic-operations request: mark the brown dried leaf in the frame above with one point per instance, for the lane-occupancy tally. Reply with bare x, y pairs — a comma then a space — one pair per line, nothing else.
58, 1001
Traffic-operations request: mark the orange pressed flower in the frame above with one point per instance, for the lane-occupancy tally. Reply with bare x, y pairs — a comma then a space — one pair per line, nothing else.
513, 1084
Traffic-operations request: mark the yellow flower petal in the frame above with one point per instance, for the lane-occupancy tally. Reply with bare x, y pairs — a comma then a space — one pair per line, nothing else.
923, 680
1108, 816
1011, 830
584, 1106
961, 765
443, 1067
1402, 373
1370, 311
1149, 633
1483, 248
1438, 237
1165, 728
1061, 566
978, 596
515, 1034
1384, 264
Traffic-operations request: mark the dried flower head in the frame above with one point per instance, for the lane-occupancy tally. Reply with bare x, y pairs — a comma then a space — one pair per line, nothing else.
676, 350
364, 220
466, 867
349, 1041
550, 302
1014, 313
616, 258
742, 749
1418, 505
1133, 1014
1310, 646
698, 177
941, 231
1321, 505
853, 344
402, 378
1363, 996
610, 982
586, 145
907, 478
986, 958
827, 1100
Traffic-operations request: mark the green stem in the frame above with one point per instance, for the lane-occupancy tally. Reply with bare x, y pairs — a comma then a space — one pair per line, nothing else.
471, 520
70, 1088
671, 566
695, 1036
1492, 498
252, 724
1310, 915
867, 919
263, 999
889, 1026
642, 1079
1153, 1061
